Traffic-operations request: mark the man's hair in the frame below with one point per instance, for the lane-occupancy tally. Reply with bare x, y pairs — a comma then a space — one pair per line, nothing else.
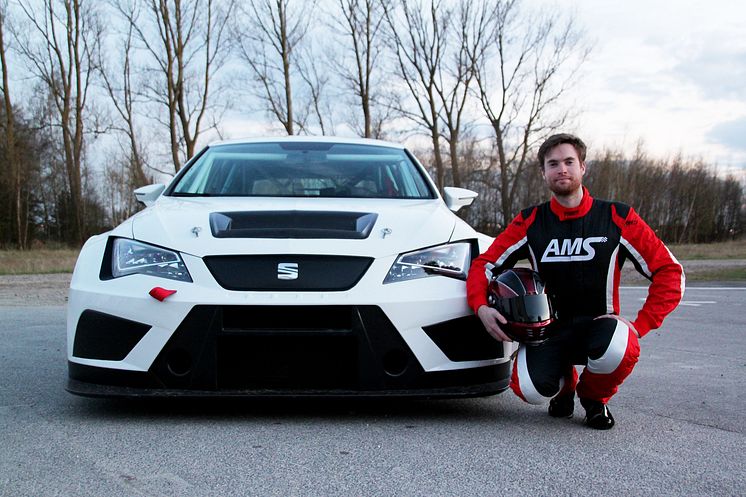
560, 139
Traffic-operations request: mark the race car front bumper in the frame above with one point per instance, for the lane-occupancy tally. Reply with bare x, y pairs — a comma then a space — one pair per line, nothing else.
266, 351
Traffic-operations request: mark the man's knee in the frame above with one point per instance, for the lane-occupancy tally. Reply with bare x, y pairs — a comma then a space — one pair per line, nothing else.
533, 386
622, 348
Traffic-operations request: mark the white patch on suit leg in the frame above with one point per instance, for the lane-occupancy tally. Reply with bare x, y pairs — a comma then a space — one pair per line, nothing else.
614, 354
528, 389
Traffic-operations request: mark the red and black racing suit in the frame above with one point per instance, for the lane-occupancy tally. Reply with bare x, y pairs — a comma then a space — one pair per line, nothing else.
579, 253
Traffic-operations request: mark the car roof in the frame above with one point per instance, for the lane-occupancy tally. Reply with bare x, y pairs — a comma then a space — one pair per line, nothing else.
310, 139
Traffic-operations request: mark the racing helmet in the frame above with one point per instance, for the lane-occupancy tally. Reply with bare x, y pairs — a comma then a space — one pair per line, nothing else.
520, 295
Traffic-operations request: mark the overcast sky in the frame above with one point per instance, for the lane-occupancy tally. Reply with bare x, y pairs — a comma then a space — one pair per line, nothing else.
669, 73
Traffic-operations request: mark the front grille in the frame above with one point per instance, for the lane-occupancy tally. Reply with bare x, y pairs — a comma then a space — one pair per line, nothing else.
275, 347
299, 347
292, 272
317, 361
299, 318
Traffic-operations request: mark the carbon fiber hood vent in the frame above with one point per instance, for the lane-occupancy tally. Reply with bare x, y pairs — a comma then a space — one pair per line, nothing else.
292, 224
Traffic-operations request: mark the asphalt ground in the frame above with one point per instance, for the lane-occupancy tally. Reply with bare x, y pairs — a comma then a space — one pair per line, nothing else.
680, 428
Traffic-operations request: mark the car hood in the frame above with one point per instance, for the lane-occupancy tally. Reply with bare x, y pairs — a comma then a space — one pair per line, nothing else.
183, 224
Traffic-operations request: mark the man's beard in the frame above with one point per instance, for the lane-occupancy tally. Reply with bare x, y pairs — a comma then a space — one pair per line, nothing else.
566, 188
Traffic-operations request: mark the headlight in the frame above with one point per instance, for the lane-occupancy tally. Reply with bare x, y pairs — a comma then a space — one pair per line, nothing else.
451, 260
133, 257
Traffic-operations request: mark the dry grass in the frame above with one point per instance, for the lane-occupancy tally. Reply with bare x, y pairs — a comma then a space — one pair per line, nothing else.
735, 249
38, 261
724, 274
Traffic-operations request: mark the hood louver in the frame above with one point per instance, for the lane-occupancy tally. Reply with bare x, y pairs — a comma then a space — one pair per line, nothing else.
292, 224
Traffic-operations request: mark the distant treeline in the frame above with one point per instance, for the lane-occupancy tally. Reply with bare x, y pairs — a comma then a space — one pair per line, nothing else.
35, 207
98, 98
684, 201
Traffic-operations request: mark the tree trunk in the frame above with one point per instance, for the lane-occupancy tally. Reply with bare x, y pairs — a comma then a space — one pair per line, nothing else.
14, 166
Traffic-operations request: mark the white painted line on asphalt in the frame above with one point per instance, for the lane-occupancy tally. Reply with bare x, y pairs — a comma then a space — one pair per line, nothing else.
715, 288
691, 303
689, 288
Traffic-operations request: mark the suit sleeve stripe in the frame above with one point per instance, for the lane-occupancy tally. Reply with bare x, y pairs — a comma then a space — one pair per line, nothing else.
610, 281
510, 251
534, 264
683, 277
640, 259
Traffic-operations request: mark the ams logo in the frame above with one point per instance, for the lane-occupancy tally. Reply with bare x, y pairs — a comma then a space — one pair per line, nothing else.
572, 249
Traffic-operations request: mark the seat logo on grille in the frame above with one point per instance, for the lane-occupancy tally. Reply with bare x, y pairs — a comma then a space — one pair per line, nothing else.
287, 271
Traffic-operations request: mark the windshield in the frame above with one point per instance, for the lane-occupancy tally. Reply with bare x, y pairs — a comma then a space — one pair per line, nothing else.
303, 169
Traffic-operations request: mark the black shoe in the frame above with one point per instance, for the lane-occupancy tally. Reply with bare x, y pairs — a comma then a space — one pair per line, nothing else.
597, 415
562, 405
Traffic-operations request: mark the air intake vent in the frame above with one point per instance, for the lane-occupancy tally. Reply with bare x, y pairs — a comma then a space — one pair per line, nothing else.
103, 336
292, 224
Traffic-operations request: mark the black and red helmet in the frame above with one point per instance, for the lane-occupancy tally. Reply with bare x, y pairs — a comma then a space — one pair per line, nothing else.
520, 295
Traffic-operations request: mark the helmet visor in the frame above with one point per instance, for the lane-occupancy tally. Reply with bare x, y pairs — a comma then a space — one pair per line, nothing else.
525, 309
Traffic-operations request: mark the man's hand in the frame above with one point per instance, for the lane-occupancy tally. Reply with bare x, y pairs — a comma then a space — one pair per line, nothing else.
623, 320
490, 319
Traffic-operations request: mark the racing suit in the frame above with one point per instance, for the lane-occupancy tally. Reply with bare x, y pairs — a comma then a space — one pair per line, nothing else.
579, 253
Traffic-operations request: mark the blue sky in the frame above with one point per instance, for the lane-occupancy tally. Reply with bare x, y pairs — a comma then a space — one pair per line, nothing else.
669, 74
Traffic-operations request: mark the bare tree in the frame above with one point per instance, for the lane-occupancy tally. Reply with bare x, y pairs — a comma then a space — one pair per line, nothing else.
116, 185
267, 33
361, 25
15, 169
471, 24
418, 38
120, 87
61, 47
316, 81
185, 40
49, 184
521, 80
436, 49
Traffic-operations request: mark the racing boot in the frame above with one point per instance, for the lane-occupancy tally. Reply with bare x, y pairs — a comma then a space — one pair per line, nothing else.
562, 406
597, 415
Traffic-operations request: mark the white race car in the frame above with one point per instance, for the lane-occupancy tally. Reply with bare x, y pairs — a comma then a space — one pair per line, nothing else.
291, 266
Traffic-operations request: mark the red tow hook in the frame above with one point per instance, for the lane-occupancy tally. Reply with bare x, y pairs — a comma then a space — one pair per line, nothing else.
161, 294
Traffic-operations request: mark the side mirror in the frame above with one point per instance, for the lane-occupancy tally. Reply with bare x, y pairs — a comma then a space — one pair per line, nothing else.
149, 194
456, 198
